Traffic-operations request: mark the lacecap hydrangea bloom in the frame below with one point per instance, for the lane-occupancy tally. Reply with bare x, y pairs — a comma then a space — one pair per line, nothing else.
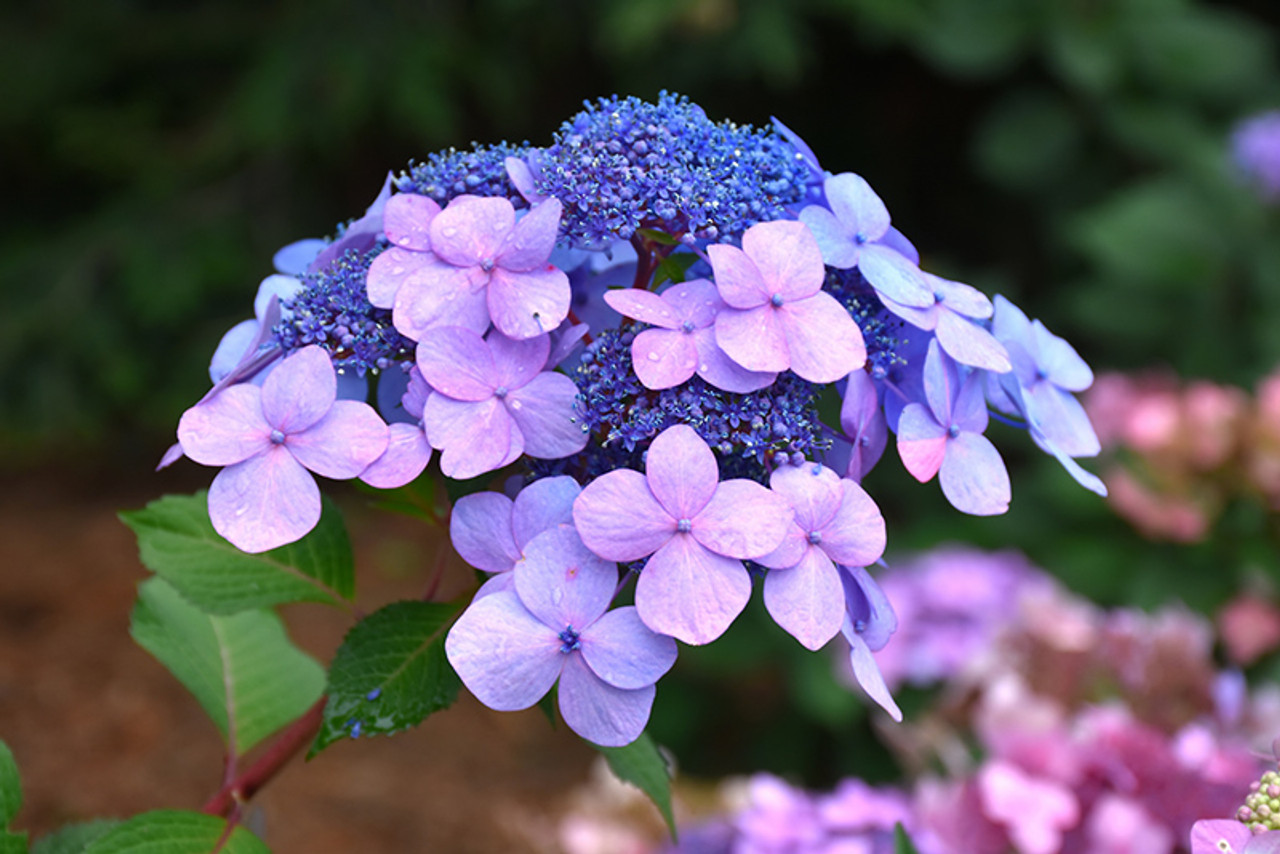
620, 339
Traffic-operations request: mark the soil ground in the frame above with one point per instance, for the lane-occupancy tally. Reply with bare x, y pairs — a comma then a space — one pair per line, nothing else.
100, 729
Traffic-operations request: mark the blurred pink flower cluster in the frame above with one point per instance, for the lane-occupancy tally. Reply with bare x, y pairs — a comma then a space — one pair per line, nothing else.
1179, 451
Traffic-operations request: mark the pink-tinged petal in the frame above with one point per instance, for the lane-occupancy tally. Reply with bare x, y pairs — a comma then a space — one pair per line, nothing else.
459, 363
690, 593
787, 256
474, 437
824, 342
406, 457
516, 362
696, 301
681, 471
963, 299
300, 390
793, 547
855, 536
894, 276
171, 456
973, 476
1035, 811
644, 306
754, 339
441, 295
807, 600
742, 520
543, 413
265, 502
344, 443
599, 712
835, 240
737, 277
531, 303
812, 490
663, 358
1219, 836
868, 674
480, 529
717, 368
407, 219
970, 344
623, 651
530, 243
227, 428
562, 582
619, 519
922, 442
472, 230
503, 654
856, 205
390, 270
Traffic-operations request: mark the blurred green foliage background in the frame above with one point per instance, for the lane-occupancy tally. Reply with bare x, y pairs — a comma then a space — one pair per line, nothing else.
1071, 154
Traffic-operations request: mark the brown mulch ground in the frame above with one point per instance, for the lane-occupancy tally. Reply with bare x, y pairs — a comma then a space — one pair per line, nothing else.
99, 728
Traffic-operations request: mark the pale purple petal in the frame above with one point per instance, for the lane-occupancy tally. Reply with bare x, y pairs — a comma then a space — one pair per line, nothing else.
787, 257
543, 412
970, 344
390, 270
1062, 419
496, 584
564, 341
663, 358
715, 366
406, 457
619, 519
856, 205
812, 490
696, 301
280, 287
541, 505
922, 442
530, 303
941, 383
871, 615
503, 654
343, 443
300, 390
737, 278
795, 542
406, 219
823, 341
925, 318
1059, 360
690, 593
644, 306
1264, 843
474, 437
973, 476
867, 672
480, 529
753, 338
893, 275
1209, 836
855, 535
516, 362
681, 471
232, 348
267, 501
472, 230
294, 258
459, 363
970, 410
530, 243
562, 582
440, 295
227, 428
742, 520
1010, 324
963, 299
600, 713
623, 651
863, 421
807, 599
522, 179
835, 240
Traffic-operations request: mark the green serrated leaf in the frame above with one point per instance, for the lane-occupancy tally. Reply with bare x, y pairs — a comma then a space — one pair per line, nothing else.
390, 672
175, 832
10, 786
177, 542
74, 838
902, 843
243, 670
641, 764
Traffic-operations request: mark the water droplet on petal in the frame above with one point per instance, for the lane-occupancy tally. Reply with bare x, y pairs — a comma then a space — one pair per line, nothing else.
653, 357
515, 404
449, 231
397, 271
404, 241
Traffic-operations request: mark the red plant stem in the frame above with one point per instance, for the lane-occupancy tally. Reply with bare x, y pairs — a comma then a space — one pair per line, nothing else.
285, 747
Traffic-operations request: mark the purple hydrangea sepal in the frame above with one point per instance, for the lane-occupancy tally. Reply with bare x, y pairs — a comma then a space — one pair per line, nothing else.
406, 223
868, 624
486, 267
269, 439
493, 401
697, 529
849, 231
408, 449
952, 318
490, 531
945, 438
863, 421
778, 316
510, 647
682, 341
835, 522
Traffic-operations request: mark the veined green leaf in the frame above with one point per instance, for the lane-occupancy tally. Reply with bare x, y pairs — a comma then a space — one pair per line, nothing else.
641, 764
175, 832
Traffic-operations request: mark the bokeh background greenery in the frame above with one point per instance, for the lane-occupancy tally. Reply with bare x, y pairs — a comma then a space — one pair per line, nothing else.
1071, 154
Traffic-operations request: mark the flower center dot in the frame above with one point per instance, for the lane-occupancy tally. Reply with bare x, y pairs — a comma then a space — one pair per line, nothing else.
684, 526
953, 431
569, 640
500, 392
687, 327
277, 438
776, 300
487, 264
815, 537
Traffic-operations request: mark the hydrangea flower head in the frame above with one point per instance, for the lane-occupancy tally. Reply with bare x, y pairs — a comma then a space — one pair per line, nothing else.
510, 647
1255, 148
269, 439
695, 530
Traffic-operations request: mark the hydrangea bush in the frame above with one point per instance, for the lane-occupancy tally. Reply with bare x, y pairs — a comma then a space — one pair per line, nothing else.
633, 373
